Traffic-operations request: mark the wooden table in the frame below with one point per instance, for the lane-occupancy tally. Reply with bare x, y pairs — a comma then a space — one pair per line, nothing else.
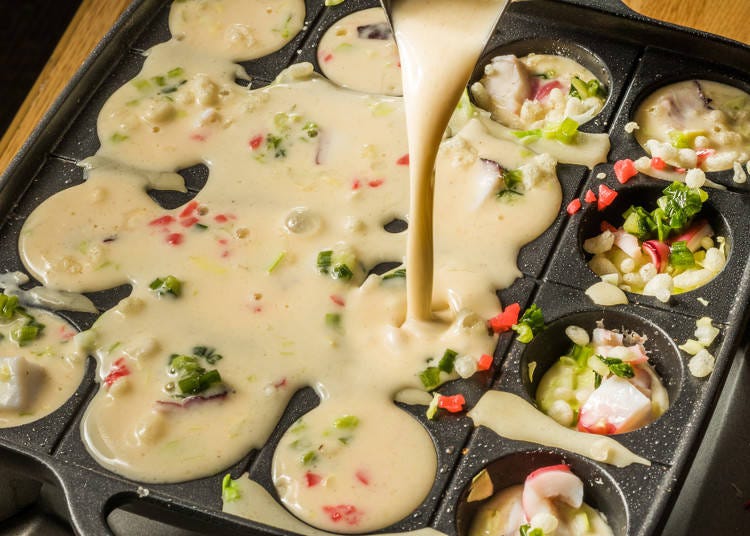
95, 17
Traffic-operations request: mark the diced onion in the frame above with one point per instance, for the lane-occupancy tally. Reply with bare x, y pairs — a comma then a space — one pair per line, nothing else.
603, 293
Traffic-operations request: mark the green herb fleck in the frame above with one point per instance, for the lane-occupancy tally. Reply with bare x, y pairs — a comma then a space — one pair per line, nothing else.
680, 256
526, 530
22, 335
513, 183
564, 132
167, 285
273, 143
141, 84
430, 378
230, 490
174, 73
333, 320
276, 262
191, 377
324, 261
342, 271
530, 324
346, 422
583, 90
527, 135
207, 353
448, 361
617, 367
311, 129
398, 273
8, 306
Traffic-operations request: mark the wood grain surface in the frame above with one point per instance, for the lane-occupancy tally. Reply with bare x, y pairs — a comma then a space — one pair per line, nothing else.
730, 18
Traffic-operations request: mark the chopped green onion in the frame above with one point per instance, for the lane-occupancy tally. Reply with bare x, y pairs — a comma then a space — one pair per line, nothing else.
184, 363
683, 140
118, 138
324, 261
8, 306
674, 212
583, 90
342, 271
190, 384
430, 378
298, 426
337, 265
168, 285
346, 422
230, 490
580, 355
192, 377
398, 273
465, 106
530, 324
23, 335
277, 261
638, 222
333, 320
141, 84
564, 132
433, 407
578, 88
209, 378
523, 134
207, 353
525, 333
174, 73
680, 256
526, 530
309, 457
197, 382
448, 361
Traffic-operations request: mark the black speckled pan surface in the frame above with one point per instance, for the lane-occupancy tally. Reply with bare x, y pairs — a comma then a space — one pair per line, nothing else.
633, 55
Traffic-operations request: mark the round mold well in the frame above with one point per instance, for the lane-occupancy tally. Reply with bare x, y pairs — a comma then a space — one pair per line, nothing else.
442, 441
379, 49
646, 196
666, 81
600, 489
554, 47
550, 344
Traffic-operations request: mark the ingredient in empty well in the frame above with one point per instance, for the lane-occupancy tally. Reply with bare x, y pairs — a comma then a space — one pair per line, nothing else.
549, 503
604, 385
670, 249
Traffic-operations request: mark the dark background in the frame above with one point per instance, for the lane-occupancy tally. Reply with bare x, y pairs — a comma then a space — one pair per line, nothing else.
29, 31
